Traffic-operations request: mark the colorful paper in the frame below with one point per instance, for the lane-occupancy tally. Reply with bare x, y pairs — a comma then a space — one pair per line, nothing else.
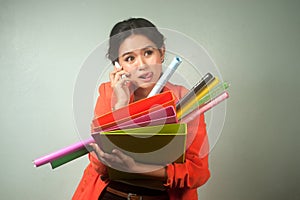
205, 107
201, 94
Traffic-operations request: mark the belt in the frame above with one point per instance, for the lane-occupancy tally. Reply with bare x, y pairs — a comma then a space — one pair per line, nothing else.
131, 196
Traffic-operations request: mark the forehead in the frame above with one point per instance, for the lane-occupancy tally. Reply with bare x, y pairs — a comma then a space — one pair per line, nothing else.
134, 43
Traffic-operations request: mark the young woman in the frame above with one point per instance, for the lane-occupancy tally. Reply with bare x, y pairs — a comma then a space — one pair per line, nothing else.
138, 47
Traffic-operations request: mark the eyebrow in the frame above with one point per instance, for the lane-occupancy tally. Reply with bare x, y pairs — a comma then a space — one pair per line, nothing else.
147, 47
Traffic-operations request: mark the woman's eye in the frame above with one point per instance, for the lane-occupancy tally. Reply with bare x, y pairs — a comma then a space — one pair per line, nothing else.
129, 59
148, 52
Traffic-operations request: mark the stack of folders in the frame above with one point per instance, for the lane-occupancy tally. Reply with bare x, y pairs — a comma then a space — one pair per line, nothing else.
147, 130
154, 130
151, 130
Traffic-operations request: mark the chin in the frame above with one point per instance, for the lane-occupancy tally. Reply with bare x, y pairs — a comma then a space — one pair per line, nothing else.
146, 85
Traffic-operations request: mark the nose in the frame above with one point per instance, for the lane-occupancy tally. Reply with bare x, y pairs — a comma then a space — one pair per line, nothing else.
142, 64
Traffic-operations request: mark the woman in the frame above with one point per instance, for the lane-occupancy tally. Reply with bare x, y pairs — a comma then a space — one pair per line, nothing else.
138, 47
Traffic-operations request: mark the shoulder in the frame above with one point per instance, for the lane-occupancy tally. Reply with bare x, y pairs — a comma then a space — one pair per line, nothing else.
105, 89
103, 104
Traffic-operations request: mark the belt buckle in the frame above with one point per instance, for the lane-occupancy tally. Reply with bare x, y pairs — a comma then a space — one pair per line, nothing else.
133, 195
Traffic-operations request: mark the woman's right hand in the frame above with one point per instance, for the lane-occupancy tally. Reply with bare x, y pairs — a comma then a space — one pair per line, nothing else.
120, 86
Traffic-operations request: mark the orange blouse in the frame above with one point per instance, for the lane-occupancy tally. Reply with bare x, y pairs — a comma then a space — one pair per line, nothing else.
183, 179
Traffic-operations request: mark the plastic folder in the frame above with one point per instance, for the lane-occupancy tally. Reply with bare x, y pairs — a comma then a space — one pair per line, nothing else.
160, 145
135, 109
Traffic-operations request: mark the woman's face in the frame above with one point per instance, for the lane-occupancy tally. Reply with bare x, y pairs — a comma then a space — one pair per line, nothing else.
140, 57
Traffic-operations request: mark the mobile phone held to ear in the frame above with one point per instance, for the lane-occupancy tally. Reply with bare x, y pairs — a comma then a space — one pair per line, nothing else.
117, 65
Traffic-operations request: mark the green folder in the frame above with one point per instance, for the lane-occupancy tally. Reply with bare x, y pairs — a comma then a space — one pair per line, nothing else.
159, 145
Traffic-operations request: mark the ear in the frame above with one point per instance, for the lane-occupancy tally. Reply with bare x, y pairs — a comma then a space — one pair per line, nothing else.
162, 51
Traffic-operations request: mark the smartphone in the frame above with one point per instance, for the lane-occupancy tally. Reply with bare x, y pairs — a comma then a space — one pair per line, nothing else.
119, 67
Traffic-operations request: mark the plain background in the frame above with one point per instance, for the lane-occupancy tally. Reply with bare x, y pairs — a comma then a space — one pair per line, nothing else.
255, 44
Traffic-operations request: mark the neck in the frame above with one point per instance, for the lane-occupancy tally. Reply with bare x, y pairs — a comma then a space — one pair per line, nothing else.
141, 93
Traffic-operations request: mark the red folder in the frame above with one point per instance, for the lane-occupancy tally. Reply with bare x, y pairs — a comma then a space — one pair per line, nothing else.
165, 115
135, 109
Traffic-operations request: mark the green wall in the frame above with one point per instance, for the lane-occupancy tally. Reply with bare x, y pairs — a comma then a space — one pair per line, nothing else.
255, 44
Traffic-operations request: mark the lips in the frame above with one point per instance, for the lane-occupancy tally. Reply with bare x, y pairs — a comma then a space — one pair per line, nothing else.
146, 76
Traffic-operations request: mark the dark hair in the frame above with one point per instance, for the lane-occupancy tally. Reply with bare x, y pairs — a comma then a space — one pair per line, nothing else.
132, 26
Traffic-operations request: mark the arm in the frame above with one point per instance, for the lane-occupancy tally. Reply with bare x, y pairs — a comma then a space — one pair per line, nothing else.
103, 105
112, 95
194, 172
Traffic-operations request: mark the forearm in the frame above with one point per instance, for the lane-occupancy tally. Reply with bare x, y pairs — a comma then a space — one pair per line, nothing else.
152, 171
192, 173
